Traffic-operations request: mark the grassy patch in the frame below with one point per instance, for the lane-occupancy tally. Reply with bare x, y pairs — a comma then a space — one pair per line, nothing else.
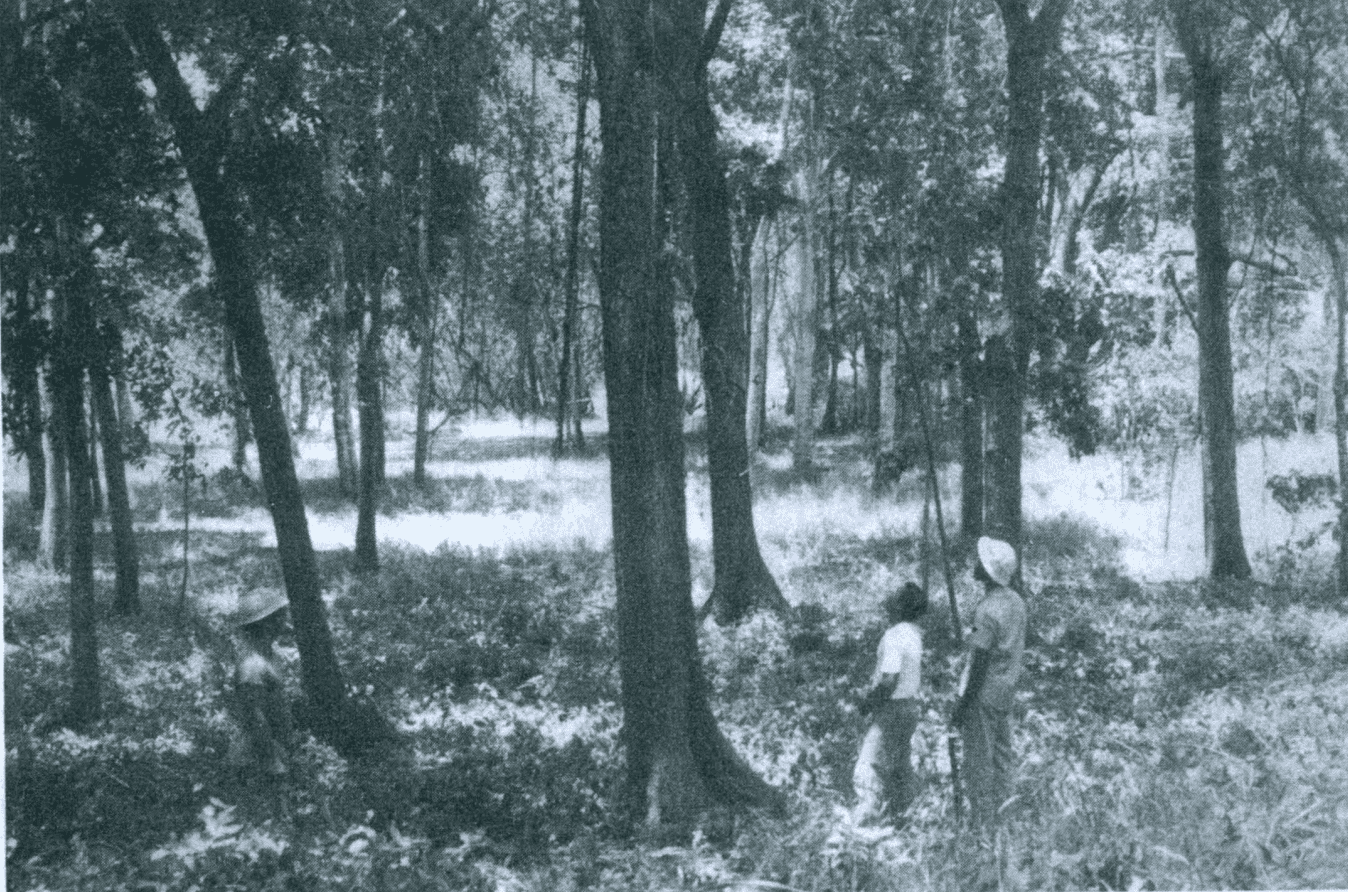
1171, 735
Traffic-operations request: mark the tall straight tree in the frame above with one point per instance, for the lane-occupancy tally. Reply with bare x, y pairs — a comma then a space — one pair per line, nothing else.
568, 387
742, 580
1029, 40
126, 555
338, 352
202, 141
72, 342
677, 757
1199, 27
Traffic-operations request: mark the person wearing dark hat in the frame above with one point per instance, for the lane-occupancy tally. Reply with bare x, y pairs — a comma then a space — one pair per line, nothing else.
983, 712
884, 779
258, 706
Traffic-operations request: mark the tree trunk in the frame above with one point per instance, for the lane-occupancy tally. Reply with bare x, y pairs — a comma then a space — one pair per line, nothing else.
126, 556
72, 343
91, 436
567, 385
333, 716
428, 308
1340, 290
676, 756
29, 340
742, 580
760, 312
54, 538
971, 430
802, 448
238, 410
1029, 40
1003, 402
338, 346
368, 362
302, 422
1225, 544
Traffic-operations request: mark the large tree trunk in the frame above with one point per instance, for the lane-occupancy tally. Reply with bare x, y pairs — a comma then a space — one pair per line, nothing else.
338, 341
971, 430
568, 389
1217, 413
676, 756
126, 556
368, 362
334, 717
742, 580
1003, 402
760, 312
1029, 40
72, 343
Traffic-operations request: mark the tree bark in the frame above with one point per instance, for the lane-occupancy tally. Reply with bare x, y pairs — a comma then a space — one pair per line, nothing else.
30, 343
334, 717
368, 362
802, 447
742, 581
72, 343
1217, 414
338, 346
1029, 41
676, 756
971, 430
567, 384
760, 311
1340, 291
54, 537
428, 309
126, 555
238, 410
1004, 405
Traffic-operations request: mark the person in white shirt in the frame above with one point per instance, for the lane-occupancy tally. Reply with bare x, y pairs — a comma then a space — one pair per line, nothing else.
884, 779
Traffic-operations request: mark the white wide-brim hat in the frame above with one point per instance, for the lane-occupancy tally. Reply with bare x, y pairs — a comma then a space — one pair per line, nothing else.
259, 604
998, 559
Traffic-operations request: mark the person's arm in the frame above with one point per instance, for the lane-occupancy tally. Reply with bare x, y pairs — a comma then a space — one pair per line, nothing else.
879, 692
978, 674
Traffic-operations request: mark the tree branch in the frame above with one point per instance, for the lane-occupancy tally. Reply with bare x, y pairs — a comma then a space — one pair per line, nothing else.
712, 37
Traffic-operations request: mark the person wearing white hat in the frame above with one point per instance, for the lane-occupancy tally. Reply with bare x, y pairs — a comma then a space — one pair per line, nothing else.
983, 712
258, 705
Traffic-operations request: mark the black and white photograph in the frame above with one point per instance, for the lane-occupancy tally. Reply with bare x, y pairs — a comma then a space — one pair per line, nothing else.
708, 445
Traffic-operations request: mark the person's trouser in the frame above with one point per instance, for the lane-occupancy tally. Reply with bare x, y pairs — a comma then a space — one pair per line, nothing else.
884, 771
989, 762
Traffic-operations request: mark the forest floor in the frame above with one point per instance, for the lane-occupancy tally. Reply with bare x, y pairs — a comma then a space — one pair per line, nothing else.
1173, 734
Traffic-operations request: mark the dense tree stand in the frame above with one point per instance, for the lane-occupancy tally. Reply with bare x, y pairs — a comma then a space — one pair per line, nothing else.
677, 760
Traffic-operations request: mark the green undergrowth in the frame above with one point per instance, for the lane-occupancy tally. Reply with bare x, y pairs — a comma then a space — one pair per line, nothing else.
1171, 736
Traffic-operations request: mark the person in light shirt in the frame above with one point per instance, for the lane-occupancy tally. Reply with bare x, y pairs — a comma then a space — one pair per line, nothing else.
884, 778
988, 688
